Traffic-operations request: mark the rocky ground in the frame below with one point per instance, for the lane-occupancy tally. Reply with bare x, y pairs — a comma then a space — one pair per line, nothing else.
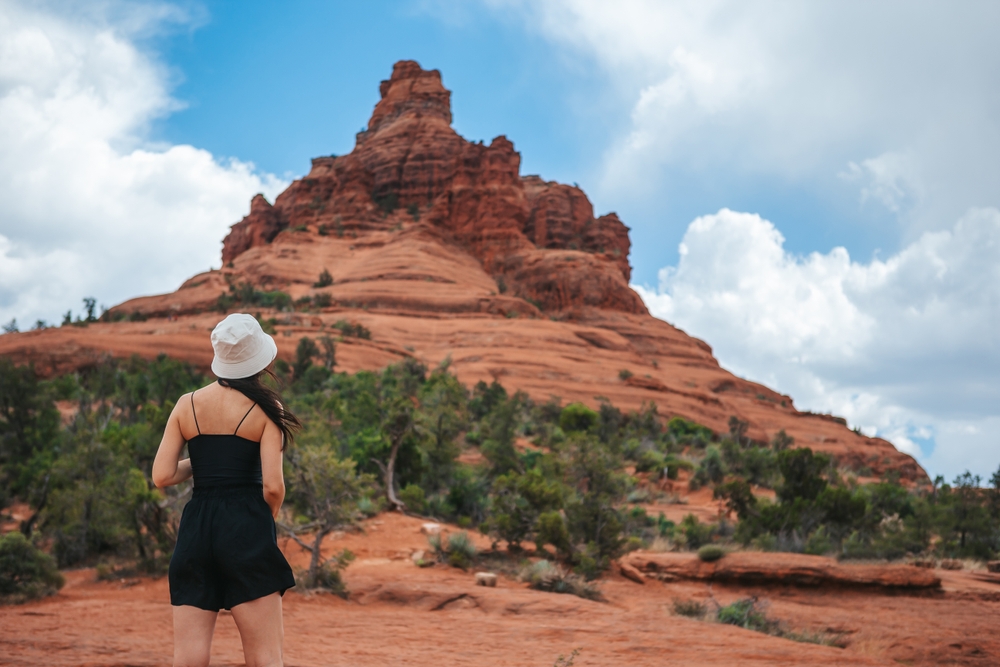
399, 613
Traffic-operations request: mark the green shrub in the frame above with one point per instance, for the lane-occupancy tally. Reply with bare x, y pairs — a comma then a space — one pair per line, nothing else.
245, 294
546, 576
369, 507
711, 552
577, 417
819, 543
329, 575
352, 329
689, 432
325, 279
387, 202
690, 608
413, 497
459, 552
26, 573
712, 468
747, 613
650, 461
624, 374
696, 533
551, 529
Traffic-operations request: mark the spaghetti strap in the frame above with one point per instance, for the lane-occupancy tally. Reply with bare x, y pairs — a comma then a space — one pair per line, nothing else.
194, 414
244, 418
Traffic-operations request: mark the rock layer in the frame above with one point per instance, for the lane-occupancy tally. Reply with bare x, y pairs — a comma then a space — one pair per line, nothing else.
770, 569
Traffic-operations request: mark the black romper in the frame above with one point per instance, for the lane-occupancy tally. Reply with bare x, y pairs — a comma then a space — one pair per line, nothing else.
227, 549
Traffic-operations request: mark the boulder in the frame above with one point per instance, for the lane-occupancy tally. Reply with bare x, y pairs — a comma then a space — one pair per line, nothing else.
631, 573
486, 579
431, 529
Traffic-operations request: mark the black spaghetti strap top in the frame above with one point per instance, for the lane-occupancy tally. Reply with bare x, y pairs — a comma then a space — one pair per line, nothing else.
221, 460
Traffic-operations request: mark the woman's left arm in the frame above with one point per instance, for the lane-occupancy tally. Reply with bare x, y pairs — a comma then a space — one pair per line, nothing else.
271, 467
167, 468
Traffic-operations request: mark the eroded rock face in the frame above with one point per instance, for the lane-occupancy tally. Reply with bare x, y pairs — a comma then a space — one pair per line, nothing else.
540, 240
256, 229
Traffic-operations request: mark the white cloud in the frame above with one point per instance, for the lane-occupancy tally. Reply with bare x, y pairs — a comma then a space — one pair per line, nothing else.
89, 206
906, 347
795, 93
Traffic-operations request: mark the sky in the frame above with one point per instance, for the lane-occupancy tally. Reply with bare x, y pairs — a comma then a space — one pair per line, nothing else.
812, 188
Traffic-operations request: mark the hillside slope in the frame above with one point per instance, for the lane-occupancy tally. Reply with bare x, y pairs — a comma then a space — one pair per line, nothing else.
442, 249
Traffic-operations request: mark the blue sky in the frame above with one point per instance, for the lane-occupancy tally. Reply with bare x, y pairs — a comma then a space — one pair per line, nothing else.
278, 84
813, 188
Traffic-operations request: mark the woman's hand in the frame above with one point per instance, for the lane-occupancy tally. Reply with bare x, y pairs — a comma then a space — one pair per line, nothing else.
167, 468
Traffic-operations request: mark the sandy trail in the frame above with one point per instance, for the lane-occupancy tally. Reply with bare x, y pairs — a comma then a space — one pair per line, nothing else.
401, 614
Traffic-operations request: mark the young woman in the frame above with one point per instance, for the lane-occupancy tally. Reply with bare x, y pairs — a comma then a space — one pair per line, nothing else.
227, 555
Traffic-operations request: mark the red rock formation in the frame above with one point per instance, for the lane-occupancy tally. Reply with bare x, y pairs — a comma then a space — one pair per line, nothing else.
442, 249
256, 229
771, 569
410, 158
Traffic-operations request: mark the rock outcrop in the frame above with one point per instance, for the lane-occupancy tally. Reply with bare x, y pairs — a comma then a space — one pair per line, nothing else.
442, 249
539, 240
770, 569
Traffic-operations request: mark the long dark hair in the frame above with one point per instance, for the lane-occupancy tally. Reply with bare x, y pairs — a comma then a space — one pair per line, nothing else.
268, 400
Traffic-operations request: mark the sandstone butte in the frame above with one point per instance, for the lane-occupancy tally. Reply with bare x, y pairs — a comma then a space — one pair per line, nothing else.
442, 249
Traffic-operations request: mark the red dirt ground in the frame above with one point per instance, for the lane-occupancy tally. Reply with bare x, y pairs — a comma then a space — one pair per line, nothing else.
401, 614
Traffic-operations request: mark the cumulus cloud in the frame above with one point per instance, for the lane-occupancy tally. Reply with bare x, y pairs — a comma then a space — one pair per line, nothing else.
88, 205
898, 93
904, 347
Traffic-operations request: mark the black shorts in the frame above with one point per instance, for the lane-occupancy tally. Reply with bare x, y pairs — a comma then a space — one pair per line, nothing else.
227, 551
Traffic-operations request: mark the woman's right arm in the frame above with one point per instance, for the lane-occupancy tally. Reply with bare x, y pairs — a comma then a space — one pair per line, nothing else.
168, 469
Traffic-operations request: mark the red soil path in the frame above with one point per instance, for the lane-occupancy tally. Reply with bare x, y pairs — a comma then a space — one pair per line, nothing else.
401, 614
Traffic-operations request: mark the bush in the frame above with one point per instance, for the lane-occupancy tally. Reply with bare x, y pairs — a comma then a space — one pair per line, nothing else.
245, 294
690, 608
624, 374
711, 552
546, 576
747, 613
577, 417
551, 529
26, 573
355, 330
325, 279
413, 497
650, 461
369, 507
459, 552
329, 576
712, 468
695, 533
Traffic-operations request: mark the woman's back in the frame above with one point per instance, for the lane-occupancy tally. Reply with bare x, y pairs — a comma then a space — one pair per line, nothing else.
227, 555
220, 458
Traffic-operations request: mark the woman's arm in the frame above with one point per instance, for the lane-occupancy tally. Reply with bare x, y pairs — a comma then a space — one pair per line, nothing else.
167, 468
271, 467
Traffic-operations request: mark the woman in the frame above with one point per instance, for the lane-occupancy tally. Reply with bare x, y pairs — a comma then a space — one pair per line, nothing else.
227, 555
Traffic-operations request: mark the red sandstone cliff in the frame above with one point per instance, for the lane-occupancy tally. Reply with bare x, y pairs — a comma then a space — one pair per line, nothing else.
411, 162
442, 249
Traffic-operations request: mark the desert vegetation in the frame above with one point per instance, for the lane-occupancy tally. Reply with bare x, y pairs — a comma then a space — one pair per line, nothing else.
566, 484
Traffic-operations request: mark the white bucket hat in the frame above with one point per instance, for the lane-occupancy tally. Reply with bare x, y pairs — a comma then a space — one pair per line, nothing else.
242, 349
